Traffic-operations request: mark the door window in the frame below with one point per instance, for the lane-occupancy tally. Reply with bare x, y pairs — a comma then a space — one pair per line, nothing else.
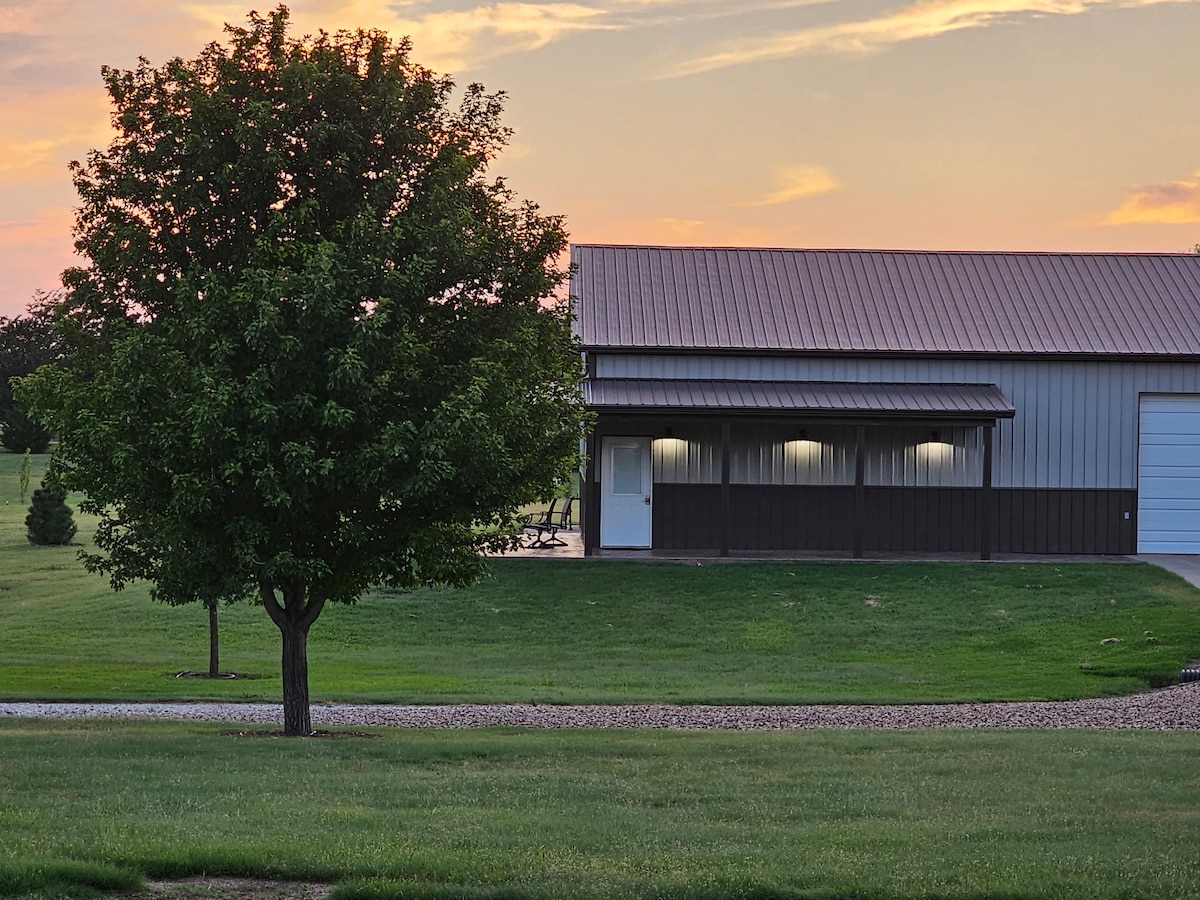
626, 469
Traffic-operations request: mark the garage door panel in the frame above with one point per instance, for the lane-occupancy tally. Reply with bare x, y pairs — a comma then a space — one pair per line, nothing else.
1171, 456
1181, 444
1169, 474
1171, 439
1186, 548
1169, 489
1172, 421
1177, 521
1175, 501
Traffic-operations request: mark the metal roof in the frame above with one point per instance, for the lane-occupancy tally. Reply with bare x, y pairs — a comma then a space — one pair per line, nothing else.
814, 398
887, 301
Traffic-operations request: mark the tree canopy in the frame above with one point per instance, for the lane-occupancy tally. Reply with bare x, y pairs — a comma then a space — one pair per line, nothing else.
315, 347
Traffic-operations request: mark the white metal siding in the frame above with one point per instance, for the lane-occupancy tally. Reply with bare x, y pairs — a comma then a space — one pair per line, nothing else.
691, 456
1169, 475
763, 454
1076, 424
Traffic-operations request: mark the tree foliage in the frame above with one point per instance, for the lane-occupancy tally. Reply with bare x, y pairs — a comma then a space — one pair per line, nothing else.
19, 432
27, 343
315, 348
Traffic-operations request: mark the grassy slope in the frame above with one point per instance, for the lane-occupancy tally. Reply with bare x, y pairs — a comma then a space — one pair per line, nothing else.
619, 814
575, 631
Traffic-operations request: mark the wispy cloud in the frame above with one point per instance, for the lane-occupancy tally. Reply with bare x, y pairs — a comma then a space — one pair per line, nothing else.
15, 155
44, 131
21, 18
1168, 203
919, 21
452, 40
462, 39
798, 182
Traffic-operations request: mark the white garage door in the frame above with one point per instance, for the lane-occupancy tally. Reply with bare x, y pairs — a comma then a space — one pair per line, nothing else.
1169, 474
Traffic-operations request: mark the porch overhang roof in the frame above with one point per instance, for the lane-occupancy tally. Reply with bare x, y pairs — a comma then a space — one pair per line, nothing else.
816, 399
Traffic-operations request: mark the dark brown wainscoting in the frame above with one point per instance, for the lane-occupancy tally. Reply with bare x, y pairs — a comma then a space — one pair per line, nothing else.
1045, 520
944, 520
791, 517
686, 517
814, 518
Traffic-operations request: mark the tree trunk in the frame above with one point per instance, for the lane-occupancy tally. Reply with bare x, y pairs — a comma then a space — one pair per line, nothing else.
294, 616
297, 719
214, 651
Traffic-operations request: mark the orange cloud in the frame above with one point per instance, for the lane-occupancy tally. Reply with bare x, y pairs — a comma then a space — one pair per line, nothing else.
44, 132
673, 232
1168, 203
798, 182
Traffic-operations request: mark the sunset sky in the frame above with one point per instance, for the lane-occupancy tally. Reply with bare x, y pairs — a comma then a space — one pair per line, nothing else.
936, 124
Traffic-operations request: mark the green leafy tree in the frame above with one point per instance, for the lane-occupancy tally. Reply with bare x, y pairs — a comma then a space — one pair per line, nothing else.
21, 432
50, 521
27, 343
315, 347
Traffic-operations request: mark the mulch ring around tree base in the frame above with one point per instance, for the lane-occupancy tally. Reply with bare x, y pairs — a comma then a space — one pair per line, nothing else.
221, 676
277, 733
230, 889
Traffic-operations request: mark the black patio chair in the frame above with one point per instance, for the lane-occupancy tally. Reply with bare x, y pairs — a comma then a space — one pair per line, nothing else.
564, 519
544, 529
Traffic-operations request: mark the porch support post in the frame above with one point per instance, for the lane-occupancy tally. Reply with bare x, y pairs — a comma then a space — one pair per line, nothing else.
860, 492
589, 497
726, 505
985, 497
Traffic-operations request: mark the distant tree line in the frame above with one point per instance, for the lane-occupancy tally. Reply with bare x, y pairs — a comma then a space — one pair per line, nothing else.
26, 343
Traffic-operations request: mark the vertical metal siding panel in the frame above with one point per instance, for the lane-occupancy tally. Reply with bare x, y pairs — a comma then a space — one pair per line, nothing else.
1120, 385
1087, 412
710, 470
1075, 451
1034, 409
1049, 426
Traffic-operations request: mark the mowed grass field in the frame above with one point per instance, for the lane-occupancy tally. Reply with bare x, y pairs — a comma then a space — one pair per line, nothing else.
503, 813
87, 808
573, 631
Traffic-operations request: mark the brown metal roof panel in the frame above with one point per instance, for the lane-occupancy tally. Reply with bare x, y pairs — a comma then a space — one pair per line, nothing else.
978, 400
888, 301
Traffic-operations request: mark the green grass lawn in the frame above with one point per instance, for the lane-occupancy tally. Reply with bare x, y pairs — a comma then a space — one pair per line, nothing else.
555, 631
577, 814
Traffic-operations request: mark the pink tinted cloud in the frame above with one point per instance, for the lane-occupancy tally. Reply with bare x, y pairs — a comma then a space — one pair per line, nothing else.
1166, 203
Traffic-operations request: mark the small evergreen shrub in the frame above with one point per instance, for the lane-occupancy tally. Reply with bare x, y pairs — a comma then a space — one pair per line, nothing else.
23, 476
50, 521
21, 433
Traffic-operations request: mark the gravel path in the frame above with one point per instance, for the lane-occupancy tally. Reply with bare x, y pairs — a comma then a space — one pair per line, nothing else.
1171, 709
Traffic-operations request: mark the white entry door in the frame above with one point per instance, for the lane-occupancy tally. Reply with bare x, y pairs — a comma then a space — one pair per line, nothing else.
1169, 474
625, 492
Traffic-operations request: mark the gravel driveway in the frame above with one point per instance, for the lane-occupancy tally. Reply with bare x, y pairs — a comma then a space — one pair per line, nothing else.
1170, 709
